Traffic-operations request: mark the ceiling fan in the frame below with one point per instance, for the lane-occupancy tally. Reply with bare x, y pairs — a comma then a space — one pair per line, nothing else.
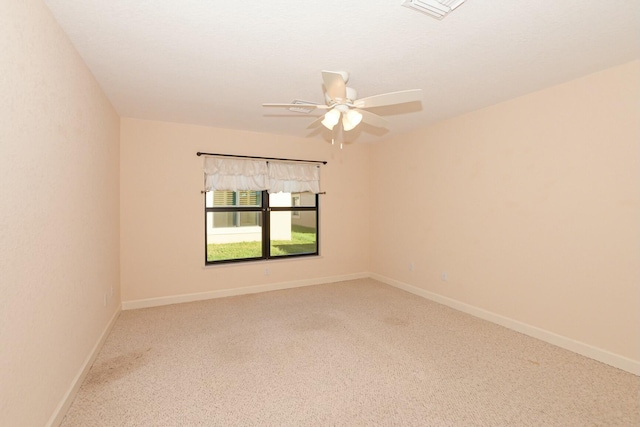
342, 102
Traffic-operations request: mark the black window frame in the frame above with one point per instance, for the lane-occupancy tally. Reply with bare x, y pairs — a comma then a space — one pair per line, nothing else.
265, 219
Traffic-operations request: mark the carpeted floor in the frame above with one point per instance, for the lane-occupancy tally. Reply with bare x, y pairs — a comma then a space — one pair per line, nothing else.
353, 353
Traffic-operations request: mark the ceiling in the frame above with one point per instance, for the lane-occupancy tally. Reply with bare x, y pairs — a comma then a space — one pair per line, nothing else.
215, 62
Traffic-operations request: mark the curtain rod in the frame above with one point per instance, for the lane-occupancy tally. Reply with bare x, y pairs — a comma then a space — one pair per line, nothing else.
261, 158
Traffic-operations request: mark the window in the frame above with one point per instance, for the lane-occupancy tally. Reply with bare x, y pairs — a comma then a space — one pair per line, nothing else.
270, 212
257, 225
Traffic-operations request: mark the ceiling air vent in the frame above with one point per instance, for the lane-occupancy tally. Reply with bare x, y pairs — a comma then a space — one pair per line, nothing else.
436, 8
302, 109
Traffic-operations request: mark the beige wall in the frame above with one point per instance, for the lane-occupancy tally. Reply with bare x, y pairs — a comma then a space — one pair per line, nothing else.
531, 207
59, 213
162, 210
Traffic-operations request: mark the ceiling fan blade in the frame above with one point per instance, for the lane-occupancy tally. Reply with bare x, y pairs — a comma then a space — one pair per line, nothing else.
373, 119
334, 85
390, 98
319, 106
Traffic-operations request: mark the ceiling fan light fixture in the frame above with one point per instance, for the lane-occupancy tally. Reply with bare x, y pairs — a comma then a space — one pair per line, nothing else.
436, 8
331, 119
351, 119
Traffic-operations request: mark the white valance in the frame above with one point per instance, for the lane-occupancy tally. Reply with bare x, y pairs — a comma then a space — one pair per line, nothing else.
225, 174
293, 177
235, 174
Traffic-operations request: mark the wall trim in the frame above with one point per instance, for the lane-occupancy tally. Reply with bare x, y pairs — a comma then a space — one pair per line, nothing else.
604, 356
601, 355
177, 299
60, 412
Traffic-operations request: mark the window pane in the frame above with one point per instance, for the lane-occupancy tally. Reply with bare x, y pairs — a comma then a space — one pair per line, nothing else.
224, 198
292, 199
304, 199
249, 198
278, 200
223, 219
248, 219
291, 235
227, 240
233, 198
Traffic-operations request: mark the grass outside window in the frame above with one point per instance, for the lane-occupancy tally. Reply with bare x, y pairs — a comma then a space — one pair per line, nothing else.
303, 240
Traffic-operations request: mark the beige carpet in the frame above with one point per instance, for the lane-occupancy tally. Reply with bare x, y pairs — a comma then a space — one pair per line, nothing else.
353, 353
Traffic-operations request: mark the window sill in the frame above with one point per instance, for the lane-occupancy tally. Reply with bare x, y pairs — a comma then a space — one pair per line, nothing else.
261, 262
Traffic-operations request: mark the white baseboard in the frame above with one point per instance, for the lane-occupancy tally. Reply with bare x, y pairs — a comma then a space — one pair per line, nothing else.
176, 299
587, 350
570, 344
604, 356
63, 407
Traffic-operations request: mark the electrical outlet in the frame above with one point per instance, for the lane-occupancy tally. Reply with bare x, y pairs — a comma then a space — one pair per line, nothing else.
444, 276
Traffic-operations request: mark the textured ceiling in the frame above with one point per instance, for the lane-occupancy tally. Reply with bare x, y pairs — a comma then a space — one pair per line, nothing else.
215, 62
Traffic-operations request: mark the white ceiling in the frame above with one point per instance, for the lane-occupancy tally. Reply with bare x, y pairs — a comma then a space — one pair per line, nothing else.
214, 62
